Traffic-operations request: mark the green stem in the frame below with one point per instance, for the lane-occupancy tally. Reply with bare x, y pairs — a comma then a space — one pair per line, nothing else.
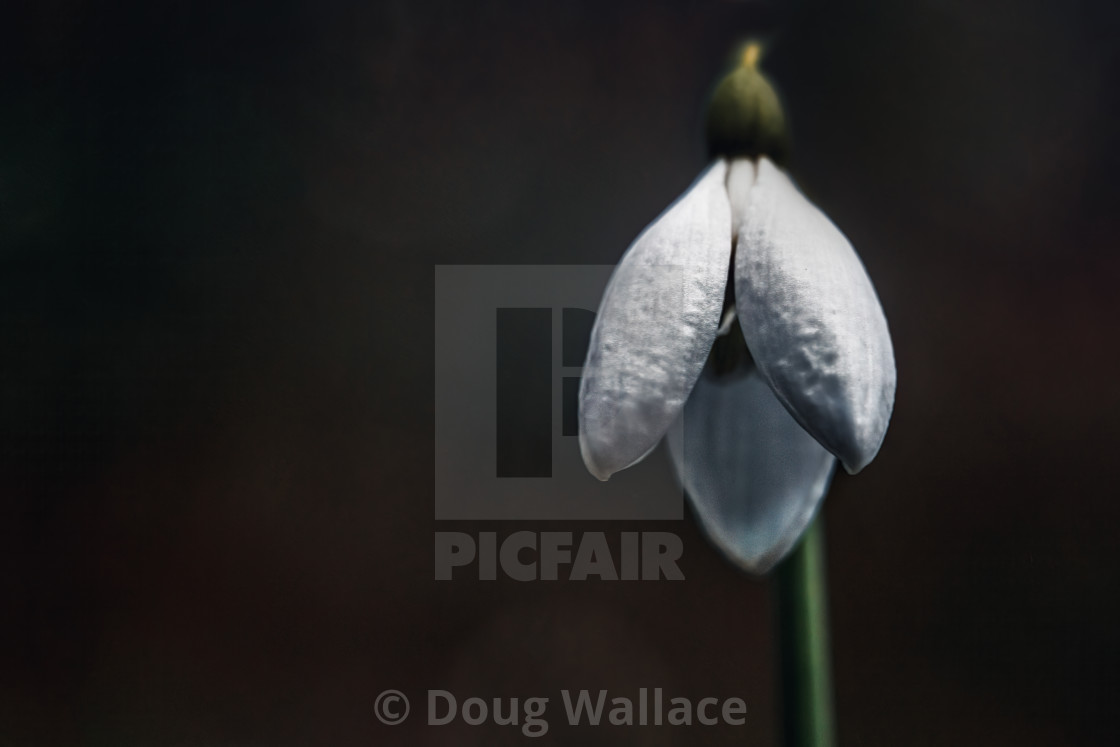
806, 670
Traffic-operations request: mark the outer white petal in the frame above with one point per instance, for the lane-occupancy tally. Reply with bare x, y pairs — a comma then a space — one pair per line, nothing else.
755, 477
810, 315
655, 327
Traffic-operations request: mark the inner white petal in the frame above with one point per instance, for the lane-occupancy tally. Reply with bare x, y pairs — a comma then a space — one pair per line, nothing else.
754, 476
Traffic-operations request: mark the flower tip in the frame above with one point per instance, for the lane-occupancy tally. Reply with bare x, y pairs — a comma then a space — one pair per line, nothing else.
857, 458
751, 53
590, 462
757, 561
601, 475
762, 567
745, 117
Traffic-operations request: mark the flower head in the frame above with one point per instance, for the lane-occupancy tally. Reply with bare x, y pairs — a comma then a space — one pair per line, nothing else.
743, 311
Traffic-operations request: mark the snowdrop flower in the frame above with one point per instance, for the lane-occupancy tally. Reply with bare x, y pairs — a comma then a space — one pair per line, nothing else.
742, 317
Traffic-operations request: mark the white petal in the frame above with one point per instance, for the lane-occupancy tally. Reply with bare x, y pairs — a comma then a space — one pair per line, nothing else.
810, 315
755, 477
655, 326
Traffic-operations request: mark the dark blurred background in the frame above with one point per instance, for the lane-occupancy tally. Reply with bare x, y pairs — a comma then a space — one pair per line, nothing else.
218, 228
